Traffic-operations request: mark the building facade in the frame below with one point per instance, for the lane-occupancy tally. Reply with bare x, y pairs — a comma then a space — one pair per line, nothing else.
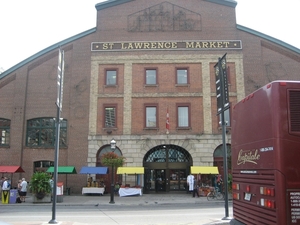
145, 77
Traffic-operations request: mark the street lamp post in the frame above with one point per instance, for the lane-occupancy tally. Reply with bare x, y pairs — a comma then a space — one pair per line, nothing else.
112, 188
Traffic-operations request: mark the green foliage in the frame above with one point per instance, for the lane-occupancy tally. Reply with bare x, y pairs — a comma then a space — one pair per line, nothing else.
112, 159
40, 183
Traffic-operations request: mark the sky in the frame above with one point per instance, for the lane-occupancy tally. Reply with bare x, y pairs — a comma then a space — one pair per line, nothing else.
29, 26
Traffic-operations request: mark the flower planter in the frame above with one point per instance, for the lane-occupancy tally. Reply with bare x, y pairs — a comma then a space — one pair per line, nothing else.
38, 199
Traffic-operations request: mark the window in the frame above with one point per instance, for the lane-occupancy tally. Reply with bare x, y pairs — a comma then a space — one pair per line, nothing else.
226, 117
110, 116
150, 76
151, 114
42, 166
182, 76
111, 77
4, 132
41, 132
183, 116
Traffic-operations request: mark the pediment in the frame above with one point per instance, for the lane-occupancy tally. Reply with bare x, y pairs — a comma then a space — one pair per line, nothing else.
164, 17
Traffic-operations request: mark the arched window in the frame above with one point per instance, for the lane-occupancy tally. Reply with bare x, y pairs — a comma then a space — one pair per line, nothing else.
167, 153
219, 151
218, 157
41, 132
106, 149
4, 132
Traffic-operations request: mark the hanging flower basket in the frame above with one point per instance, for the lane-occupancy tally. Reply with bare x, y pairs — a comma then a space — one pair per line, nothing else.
112, 159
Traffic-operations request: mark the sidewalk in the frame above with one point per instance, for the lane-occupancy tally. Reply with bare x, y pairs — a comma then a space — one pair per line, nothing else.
145, 199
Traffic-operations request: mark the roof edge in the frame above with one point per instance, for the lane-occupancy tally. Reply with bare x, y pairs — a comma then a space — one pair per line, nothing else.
269, 38
46, 50
110, 3
230, 3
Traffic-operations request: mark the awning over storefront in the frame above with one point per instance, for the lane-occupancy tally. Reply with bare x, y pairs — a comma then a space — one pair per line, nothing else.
130, 170
11, 169
204, 170
63, 170
93, 170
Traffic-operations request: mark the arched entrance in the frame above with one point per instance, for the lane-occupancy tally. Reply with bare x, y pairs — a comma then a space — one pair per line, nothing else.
166, 168
218, 158
106, 178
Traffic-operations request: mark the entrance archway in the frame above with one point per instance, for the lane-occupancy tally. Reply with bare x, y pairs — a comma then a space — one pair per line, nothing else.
166, 168
218, 158
106, 178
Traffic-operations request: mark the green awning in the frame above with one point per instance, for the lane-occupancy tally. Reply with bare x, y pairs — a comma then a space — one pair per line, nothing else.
130, 170
63, 170
204, 170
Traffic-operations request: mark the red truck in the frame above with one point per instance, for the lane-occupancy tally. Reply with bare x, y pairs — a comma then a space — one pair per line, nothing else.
266, 156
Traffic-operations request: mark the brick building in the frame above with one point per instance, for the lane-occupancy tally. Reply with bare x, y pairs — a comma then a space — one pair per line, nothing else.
144, 59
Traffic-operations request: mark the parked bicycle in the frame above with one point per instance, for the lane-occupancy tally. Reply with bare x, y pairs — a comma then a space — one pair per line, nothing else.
215, 193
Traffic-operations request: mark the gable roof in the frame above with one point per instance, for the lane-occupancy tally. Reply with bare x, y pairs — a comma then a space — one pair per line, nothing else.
46, 50
94, 170
204, 170
63, 170
230, 3
110, 3
130, 170
269, 38
11, 169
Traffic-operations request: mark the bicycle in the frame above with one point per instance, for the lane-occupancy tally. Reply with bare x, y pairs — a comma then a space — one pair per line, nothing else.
214, 193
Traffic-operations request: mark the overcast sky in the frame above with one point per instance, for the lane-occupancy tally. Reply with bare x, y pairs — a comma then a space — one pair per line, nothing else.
29, 26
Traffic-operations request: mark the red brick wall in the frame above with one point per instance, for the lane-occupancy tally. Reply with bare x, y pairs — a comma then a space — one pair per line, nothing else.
31, 91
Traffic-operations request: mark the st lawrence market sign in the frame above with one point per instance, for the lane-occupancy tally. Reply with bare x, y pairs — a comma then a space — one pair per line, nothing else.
166, 45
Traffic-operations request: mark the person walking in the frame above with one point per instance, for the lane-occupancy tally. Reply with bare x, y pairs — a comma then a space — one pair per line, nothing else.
23, 191
195, 190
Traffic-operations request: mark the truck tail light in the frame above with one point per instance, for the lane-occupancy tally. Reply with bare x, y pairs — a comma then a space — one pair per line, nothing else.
235, 186
236, 196
267, 191
248, 188
267, 203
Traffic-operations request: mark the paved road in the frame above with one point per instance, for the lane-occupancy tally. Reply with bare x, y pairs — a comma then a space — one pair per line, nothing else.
168, 209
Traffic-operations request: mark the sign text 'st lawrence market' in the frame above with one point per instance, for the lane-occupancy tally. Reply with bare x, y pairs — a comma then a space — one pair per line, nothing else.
165, 45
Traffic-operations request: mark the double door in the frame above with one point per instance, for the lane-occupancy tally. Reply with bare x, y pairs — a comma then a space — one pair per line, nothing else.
165, 180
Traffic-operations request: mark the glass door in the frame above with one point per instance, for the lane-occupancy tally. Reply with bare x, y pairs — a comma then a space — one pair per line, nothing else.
160, 180
178, 180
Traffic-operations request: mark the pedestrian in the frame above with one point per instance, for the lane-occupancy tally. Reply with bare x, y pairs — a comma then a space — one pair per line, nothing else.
190, 182
51, 181
5, 185
19, 187
23, 191
195, 190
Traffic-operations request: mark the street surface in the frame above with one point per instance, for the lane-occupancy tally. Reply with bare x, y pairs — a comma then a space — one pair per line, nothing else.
160, 214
